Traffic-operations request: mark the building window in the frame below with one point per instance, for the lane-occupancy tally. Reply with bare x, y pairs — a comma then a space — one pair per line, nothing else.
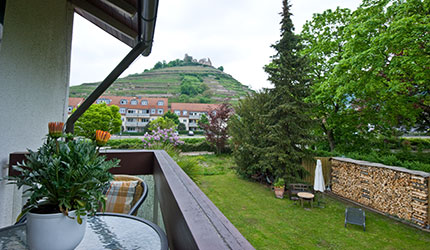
144, 102
160, 103
145, 120
152, 111
146, 111
184, 121
98, 101
131, 129
131, 111
160, 111
131, 119
123, 101
122, 110
70, 108
178, 112
184, 112
133, 102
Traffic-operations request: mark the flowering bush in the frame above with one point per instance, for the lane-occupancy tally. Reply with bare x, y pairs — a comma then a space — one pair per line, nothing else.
161, 137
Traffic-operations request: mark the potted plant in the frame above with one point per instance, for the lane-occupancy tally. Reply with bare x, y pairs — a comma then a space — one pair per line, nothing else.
65, 178
279, 188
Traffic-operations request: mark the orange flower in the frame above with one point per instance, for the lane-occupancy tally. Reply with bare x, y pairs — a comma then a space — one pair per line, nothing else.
55, 129
102, 137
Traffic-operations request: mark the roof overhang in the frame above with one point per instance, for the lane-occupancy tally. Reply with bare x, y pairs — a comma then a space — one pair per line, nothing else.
130, 21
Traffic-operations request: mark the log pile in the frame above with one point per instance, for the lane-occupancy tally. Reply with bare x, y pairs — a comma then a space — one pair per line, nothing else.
392, 190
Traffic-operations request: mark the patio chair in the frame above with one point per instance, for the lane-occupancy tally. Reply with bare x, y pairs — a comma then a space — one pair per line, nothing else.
355, 216
131, 191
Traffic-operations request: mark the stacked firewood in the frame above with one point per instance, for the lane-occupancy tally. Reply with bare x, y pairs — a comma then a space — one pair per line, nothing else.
395, 191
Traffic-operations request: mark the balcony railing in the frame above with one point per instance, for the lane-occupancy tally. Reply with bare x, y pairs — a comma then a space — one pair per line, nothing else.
193, 124
190, 219
146, 115
197, 117
131, 124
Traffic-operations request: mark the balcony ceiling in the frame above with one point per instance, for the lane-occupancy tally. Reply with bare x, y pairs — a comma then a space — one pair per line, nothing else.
130, 21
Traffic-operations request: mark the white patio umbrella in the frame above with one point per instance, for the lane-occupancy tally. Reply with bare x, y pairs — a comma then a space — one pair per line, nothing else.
319, 178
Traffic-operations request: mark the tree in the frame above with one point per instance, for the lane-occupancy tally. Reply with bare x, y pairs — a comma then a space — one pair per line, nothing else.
98, 117
248, 129
323, 40
161, 123
370, 69
182, 127
203, 120
216, 130
221, 68
288, 120
172, 116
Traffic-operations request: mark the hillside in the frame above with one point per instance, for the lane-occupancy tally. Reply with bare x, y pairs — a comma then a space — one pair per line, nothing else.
195, 83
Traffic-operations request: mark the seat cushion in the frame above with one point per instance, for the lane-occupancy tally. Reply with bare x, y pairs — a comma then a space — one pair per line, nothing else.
119, 196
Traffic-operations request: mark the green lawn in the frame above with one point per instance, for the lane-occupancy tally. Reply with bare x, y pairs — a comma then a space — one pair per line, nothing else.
270, 223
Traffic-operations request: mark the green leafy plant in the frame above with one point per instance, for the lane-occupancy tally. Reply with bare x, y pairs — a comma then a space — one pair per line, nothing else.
64, 175
279, 183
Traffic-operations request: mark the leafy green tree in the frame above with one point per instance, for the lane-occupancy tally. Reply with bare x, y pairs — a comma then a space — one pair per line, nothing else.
203, 121
162, 123
182, 127
221, 68
289, 122
249, 132
370, 69
98, 117
172, 116
323, 40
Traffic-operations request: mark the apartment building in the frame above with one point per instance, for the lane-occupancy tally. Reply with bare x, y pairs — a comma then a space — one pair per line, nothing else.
190, 113
136, 112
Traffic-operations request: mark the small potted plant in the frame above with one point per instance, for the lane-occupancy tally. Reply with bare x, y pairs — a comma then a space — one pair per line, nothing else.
279, 188
65, 178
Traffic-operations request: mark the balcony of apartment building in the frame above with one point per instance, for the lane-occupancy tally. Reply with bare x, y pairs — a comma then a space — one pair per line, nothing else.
138, 115
195, 116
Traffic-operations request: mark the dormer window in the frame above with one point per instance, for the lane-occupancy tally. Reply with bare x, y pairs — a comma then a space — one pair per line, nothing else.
160, 103
123, 101
178, 112
70, 108
133, 102
184, 112
144, 102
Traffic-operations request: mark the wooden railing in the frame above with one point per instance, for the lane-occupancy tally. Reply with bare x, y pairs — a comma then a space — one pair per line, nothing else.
191, 220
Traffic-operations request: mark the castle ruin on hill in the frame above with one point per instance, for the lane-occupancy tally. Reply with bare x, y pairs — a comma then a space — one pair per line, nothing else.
203, 61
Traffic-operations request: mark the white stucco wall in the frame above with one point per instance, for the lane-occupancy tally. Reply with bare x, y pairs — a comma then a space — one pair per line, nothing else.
34, 78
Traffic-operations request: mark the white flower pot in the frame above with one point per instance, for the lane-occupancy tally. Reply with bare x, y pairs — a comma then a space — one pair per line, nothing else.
54, 231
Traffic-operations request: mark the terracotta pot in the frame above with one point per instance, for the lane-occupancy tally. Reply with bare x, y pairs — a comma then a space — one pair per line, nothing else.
54, 231
279, 192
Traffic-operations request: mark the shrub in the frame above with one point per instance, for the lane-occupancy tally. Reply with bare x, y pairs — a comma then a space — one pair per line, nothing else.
191, 167
161, 136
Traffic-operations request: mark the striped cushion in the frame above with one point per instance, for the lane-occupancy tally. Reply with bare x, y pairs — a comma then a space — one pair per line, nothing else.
120, 196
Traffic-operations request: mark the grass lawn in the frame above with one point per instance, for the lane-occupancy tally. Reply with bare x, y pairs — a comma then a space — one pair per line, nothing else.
270, 223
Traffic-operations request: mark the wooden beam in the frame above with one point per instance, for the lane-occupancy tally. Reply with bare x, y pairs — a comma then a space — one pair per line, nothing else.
105, 18
122, 5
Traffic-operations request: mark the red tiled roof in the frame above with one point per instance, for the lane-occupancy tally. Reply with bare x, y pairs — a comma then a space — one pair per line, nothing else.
193, 107
75, 101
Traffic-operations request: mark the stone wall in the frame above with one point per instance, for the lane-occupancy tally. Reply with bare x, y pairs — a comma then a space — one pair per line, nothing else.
395, 191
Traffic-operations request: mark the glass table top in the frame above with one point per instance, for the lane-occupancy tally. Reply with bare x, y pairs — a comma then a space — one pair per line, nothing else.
104, 231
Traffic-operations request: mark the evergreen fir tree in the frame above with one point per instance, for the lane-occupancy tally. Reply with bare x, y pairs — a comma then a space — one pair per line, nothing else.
289, 119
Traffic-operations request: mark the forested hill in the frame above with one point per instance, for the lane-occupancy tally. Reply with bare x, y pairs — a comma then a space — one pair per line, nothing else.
190, 83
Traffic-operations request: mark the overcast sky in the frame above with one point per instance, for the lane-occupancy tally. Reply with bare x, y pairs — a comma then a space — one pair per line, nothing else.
235, 34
